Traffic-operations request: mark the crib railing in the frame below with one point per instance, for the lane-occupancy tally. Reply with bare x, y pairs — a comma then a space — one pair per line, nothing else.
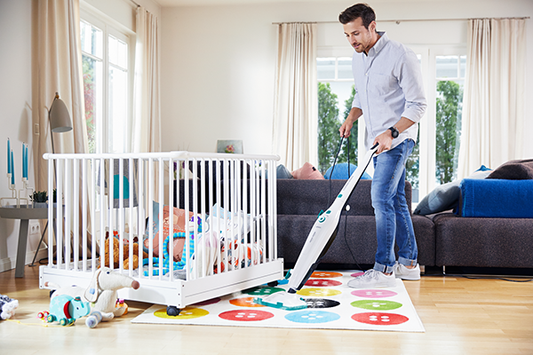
188, 226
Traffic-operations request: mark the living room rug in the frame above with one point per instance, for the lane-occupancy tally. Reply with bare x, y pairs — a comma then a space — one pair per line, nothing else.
331, 305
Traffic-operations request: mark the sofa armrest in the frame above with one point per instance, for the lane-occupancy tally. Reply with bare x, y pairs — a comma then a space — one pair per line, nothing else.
496, 198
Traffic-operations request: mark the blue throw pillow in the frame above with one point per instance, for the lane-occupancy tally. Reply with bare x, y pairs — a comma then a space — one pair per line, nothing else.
343, 171
283, 173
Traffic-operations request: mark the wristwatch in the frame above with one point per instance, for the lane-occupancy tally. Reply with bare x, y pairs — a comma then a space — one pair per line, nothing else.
394, 132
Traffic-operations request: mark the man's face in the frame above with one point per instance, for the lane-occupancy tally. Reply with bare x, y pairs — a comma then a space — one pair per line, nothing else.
360, 38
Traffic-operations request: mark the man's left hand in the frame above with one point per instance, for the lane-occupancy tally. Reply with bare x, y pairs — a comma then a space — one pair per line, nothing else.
384, 140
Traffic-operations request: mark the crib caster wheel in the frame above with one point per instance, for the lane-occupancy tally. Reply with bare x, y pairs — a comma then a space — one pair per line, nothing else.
173, 311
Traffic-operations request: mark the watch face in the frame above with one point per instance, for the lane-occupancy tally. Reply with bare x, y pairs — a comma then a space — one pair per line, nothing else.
394, 132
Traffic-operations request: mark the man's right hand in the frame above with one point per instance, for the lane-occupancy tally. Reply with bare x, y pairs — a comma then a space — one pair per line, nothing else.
346, 129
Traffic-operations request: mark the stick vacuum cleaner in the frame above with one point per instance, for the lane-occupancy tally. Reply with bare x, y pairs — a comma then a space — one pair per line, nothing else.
318, 242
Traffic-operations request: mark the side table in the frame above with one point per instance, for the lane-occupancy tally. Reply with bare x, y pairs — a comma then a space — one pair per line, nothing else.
24, 213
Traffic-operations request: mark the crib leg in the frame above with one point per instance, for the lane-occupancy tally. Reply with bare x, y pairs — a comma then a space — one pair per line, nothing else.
173, 311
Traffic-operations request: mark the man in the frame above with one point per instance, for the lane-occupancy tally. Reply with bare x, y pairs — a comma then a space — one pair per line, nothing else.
390, 97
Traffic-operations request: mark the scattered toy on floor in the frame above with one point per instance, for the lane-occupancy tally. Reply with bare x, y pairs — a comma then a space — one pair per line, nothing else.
7, 307
66, 309
102, 294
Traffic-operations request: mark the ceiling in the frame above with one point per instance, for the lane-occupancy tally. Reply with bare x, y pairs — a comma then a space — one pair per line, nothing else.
174, 3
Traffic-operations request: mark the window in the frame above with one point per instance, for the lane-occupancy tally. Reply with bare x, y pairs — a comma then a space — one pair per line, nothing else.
335, 96
450, 74
107, 85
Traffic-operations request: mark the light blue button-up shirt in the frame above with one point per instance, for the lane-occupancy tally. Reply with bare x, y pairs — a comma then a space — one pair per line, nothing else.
388, 85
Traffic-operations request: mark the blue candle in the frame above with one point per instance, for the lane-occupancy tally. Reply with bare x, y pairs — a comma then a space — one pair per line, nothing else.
24, 161
12, 170
8, 157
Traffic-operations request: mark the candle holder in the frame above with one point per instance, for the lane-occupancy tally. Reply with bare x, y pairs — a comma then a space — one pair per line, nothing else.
14, 195
25, 189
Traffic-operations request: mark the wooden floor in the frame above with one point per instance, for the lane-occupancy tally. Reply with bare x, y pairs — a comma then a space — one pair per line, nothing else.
461, 316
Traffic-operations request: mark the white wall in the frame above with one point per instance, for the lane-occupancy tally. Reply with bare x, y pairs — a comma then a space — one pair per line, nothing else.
218, 62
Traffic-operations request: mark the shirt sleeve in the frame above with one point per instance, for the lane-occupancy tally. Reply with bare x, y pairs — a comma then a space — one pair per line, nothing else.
410, 80
356, 102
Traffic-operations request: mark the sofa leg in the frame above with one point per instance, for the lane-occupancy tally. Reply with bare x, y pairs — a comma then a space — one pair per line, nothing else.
422, 269
443, 270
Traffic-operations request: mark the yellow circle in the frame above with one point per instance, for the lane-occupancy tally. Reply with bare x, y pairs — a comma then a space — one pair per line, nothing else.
186, 313
318, 292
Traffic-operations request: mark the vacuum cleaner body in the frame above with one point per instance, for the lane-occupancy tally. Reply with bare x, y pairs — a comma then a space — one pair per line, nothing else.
318, 242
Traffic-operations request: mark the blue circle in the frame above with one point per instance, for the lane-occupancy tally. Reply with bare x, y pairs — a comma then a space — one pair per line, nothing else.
312, 316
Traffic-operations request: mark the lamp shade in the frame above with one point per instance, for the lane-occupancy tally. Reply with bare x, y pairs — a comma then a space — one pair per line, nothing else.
59, 116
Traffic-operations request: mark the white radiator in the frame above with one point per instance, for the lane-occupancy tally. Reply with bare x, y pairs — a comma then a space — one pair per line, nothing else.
223, 225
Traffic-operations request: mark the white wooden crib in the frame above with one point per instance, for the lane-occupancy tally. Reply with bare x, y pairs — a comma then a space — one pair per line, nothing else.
229, 226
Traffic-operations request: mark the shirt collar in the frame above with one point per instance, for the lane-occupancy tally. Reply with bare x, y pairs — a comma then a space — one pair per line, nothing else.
382, 41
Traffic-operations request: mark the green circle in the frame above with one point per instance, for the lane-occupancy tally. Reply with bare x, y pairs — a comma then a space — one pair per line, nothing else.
376, 305
262, 291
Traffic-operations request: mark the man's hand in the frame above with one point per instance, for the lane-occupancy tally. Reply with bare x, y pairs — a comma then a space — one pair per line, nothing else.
346, 128
384, 140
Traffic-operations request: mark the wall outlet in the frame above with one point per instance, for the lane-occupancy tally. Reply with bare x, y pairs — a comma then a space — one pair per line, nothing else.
34, 228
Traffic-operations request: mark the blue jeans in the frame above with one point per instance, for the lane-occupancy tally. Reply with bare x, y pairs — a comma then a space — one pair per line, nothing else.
393, 221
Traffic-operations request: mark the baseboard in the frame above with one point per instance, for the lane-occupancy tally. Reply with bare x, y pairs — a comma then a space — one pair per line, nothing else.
8, 263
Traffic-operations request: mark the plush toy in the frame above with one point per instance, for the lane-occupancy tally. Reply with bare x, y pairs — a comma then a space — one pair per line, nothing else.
102, 294
66, 309
7, 307
125, 255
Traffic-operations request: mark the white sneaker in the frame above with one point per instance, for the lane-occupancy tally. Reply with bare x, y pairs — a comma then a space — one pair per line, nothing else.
373, 278
404, 273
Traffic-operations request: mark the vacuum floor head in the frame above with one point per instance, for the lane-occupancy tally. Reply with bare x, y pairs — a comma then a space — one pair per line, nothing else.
282, 300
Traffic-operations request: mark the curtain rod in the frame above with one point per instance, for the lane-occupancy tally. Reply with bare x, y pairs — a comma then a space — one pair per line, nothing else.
419, 20
134, 3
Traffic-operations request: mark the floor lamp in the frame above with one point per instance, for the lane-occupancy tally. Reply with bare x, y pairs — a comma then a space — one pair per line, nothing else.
60, 122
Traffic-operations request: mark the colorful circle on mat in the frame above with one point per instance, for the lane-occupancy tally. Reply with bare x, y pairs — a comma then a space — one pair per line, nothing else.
244, 302
263, 291
312, 316
246, 315
318, 292
380, 318
376, 305
322, 283
325, 274
186, 313
355, 274
321, 303
374, 293
208, 302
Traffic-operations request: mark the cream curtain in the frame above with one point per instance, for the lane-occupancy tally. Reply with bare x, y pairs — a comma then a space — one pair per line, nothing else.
494, 98
147, 117
56, 67
296, 103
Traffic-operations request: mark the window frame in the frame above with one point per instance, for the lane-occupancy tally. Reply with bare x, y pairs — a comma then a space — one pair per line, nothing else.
111, 27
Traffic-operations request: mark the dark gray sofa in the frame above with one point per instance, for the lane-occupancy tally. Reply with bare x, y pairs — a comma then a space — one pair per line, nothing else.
300, 202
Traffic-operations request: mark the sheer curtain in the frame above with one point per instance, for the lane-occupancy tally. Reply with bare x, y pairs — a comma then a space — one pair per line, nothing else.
494, 98
56, 67
147, 117
296, 103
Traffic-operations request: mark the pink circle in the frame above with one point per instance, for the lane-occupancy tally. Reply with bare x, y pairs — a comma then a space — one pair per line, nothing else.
374, 293
322, 283
355, 274
378, 318
246, 315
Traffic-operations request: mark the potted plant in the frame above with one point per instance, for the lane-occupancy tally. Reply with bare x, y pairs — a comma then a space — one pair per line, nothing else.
39, 199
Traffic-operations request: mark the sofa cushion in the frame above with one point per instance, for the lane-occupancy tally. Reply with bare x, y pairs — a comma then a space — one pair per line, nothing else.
446, 196
514, 170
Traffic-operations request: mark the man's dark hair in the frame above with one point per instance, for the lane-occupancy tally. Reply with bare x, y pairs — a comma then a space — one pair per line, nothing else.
361, 10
